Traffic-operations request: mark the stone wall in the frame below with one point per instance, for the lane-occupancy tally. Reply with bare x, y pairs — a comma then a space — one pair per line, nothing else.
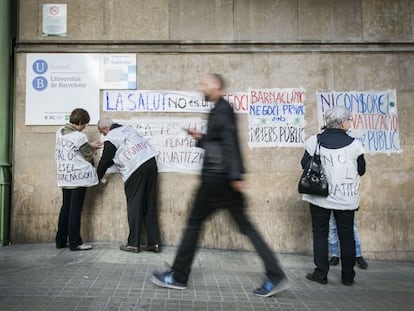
320, 45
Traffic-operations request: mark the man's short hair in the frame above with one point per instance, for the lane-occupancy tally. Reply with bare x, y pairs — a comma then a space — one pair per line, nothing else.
105, 123
219, 78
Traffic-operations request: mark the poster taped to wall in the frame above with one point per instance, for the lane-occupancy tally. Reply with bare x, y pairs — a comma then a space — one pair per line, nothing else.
118, 71
58, 83
374, 117
166, 101
154, 101
276, 117
177, 151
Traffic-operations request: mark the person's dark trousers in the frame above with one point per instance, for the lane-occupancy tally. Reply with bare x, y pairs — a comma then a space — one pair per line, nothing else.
216, 194
141, 194
69, 222
320, 229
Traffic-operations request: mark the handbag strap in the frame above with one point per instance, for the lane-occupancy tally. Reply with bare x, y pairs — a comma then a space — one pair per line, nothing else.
318, 146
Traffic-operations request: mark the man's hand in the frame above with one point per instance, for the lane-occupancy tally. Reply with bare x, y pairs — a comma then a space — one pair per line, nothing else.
195, 134
237, 185
96, 145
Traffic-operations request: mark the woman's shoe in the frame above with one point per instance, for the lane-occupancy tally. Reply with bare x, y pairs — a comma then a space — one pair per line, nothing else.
317, 279
82, 247
348, 283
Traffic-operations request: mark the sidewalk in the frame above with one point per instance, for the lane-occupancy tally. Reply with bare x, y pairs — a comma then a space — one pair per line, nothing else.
40, 277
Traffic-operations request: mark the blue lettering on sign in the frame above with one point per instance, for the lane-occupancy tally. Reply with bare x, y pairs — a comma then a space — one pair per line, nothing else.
39, 83
364, 102
383, 140
40, 66
108, 107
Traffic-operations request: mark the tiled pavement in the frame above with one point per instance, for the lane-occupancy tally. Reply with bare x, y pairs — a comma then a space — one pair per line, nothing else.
39, 277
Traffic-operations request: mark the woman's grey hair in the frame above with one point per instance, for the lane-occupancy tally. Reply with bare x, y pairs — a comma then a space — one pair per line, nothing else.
335, 116
105, 123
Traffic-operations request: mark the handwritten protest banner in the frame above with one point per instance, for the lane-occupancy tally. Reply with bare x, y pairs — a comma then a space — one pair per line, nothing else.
276, 117
166, 101
239, 101
374, 117
177, 151
154, 101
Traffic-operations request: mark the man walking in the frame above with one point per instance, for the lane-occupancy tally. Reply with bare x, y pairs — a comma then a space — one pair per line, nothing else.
132, 154
221, 187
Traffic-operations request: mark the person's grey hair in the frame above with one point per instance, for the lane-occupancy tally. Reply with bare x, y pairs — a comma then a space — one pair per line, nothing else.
335, 116
105, 123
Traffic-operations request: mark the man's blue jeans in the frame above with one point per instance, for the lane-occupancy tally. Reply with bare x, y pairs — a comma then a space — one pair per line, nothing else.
334, 241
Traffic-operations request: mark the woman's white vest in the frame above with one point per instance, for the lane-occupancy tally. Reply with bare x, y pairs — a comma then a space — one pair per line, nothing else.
341, 171
132, 149
72, 168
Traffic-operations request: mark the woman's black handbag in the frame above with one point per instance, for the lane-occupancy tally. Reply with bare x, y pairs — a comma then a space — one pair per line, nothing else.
313, 179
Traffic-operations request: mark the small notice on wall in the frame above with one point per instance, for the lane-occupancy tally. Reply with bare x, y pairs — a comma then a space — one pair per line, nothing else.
54, 20
118, 71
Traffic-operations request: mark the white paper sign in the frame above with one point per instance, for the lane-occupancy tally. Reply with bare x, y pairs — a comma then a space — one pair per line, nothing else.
118, 71
54, 20
276, 117
167, 101
177, 151
374, 117
154, 101
58, 83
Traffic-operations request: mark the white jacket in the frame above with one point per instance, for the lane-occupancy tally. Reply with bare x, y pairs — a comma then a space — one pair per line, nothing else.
72, 168
132, 149
341, 171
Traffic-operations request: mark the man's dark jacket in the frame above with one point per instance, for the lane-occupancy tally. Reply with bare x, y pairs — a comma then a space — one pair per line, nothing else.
221, 144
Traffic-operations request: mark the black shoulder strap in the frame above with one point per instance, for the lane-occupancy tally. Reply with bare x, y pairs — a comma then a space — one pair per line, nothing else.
318, 145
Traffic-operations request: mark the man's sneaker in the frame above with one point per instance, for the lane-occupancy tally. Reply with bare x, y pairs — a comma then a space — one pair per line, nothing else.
166, 279
82, 247
269, 288
315, 278
361, 262
334, 261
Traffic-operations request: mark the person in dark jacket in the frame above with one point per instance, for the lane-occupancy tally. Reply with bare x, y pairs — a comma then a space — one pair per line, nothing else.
221, 188
134, 156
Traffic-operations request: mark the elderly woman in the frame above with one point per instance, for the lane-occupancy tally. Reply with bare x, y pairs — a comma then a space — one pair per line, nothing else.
343, 161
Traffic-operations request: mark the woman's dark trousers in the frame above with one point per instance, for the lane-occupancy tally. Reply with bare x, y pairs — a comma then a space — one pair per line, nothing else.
320, 229
69, 222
